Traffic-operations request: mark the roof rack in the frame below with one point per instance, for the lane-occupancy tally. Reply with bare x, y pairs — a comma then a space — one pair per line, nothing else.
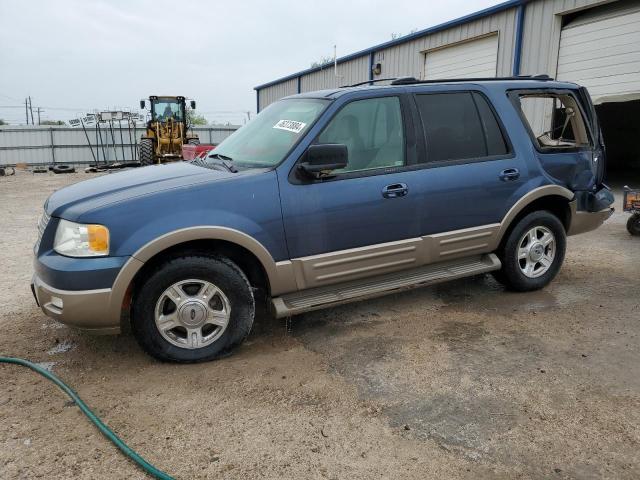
367, 82
413, 80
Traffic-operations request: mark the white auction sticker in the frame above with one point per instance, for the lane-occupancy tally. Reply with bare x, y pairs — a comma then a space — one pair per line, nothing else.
290, 126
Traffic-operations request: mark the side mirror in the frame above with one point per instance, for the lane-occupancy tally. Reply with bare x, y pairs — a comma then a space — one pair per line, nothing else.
142, 104
321, 160
193, 104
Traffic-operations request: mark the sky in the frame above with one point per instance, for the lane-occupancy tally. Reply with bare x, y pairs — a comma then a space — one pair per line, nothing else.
76, 56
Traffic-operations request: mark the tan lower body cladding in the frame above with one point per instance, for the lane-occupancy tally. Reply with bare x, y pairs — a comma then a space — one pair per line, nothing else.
337, 267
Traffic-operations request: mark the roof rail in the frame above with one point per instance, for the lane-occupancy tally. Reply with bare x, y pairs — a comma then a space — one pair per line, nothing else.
372, 81
413, 80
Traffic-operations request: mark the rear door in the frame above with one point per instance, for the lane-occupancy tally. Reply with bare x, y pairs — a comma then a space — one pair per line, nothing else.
472, 172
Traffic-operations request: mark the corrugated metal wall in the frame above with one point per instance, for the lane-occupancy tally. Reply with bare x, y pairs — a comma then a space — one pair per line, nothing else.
353, 71
276, 92
407, 59
33, 145
541, 39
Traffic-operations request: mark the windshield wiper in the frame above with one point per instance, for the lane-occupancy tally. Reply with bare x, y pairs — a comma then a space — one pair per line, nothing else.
216, 159
224, 161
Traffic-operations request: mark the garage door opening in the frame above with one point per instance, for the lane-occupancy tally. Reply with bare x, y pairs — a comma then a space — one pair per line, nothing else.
620, 123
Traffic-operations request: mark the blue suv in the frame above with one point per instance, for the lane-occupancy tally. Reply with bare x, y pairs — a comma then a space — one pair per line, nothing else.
324, 198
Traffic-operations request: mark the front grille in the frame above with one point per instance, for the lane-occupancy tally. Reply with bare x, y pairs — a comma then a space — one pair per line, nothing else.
42, 225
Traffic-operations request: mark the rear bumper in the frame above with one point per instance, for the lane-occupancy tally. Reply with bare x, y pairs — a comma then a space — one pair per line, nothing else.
85, 309
582, 222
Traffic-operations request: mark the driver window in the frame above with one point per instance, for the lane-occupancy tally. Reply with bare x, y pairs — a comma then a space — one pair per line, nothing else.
555, 121
372, 131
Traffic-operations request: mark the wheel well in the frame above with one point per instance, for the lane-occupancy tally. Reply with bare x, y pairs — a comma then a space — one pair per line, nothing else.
242, 257
555, 204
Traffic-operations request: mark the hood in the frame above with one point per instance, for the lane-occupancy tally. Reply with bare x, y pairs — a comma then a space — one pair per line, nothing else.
72, 201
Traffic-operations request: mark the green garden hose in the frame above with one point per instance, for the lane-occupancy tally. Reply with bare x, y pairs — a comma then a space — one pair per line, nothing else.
106, 431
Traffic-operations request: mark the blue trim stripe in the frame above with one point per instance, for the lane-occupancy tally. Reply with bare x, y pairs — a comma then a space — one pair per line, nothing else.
517, 53
371, 60
428, 31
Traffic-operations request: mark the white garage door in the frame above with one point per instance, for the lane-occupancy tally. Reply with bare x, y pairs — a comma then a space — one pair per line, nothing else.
475, 58
601, 50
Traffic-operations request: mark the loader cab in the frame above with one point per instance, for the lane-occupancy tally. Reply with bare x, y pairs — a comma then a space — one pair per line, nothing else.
164, 108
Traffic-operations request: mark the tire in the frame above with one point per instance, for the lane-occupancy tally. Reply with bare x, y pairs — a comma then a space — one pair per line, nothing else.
145, 150
633, 224
544, 255
229, 295
63, 169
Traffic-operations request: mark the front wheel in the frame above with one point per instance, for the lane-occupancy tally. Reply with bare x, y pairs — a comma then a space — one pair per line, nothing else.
145, 151
533, 252
633, 224
193, 309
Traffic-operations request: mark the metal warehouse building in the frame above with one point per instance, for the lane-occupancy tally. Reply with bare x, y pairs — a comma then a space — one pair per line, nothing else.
594, 43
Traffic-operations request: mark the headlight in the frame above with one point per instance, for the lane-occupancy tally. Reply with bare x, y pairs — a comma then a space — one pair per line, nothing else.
77, 240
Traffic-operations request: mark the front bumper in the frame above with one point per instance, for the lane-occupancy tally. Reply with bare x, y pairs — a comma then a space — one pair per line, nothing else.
85, 309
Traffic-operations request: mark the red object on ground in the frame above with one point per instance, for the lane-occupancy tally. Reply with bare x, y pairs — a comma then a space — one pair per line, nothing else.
191, 151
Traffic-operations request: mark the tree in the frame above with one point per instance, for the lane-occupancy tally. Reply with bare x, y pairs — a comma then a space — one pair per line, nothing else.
52, 122
198, 119
194, 119
395, 36
322, 61
2, 122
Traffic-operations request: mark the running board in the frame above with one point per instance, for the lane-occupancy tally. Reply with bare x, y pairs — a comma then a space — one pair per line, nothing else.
321, 297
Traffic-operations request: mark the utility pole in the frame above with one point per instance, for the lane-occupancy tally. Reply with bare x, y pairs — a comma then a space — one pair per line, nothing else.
249, 116
31, 109
39, 110
26, 110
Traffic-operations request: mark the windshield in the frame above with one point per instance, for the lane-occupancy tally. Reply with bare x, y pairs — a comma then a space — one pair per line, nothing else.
163, 109
265, 140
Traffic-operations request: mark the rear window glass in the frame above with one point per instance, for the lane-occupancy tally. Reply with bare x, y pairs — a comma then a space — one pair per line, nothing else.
459, 126
555, 120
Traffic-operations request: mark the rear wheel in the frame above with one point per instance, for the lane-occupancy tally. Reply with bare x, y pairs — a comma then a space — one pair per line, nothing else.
146, 151
633, 224
193, 309
533, 252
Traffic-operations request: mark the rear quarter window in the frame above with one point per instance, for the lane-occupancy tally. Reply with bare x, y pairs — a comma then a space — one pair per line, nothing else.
555, 121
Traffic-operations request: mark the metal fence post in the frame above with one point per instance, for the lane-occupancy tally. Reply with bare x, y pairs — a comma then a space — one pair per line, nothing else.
53, 149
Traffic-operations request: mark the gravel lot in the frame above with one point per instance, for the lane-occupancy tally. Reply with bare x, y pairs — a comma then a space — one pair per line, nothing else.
460, 380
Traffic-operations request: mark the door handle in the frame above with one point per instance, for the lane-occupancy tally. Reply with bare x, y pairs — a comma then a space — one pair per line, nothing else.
395, 190
509, 175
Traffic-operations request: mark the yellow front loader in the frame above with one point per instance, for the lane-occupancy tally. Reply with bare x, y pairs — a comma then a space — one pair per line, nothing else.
167, 130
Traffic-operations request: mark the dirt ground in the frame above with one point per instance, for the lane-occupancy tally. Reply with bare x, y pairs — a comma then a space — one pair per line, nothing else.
461, 380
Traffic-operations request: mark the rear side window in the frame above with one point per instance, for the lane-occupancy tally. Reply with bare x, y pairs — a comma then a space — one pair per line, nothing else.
459, 126
554, 120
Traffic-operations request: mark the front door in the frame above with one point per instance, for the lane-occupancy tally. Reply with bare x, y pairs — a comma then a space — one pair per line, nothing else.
340, 228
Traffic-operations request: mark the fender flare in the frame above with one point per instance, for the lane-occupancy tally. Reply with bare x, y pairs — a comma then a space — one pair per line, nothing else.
526, 200
280, 274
